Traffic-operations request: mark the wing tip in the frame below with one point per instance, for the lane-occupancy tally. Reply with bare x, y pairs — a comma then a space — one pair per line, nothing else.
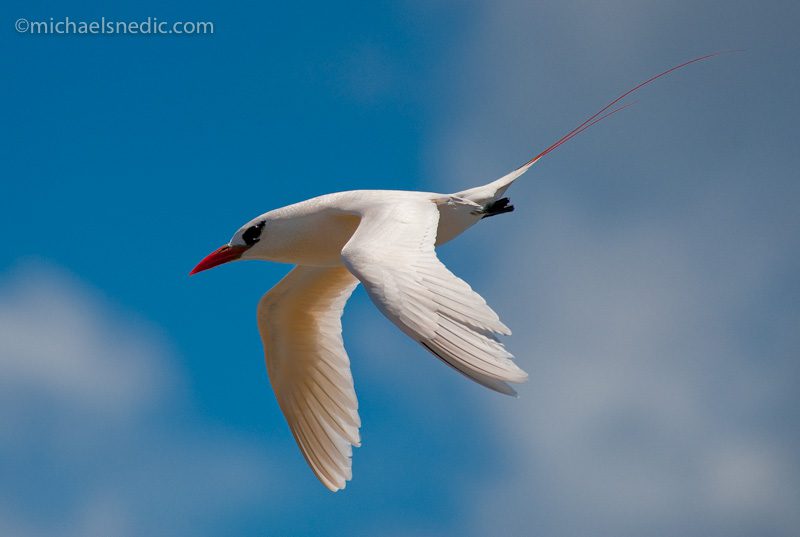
334, 487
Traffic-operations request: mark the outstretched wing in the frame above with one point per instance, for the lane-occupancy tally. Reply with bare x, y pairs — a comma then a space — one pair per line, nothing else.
300, 324
392, 253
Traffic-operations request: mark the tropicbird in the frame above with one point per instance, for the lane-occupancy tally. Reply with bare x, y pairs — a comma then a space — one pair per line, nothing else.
385, 240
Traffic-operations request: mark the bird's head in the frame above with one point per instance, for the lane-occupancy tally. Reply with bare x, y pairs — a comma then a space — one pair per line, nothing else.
241, 246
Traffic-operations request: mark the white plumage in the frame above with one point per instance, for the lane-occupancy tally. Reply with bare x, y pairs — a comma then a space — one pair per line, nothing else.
384, 240
391, 251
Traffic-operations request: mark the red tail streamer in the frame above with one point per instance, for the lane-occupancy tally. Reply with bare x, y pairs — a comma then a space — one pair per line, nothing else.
603, 113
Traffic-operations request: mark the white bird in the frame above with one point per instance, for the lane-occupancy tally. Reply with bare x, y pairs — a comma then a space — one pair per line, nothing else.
385, 240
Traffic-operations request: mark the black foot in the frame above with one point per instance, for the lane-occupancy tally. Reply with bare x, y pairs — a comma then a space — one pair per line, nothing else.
498, 207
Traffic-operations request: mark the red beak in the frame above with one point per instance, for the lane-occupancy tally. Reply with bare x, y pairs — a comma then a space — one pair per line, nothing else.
218, 257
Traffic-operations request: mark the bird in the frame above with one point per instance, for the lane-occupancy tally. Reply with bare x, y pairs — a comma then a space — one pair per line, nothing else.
384, 240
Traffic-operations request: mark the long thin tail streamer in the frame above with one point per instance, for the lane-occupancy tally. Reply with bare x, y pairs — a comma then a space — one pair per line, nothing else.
609, 110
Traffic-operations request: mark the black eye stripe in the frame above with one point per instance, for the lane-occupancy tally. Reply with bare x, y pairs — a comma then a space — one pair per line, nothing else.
253, 234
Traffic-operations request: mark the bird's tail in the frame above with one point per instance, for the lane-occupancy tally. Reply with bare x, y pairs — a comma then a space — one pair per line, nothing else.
490, 193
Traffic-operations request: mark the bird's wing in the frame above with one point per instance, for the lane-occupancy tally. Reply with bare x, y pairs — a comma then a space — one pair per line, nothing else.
300, 324
392, 253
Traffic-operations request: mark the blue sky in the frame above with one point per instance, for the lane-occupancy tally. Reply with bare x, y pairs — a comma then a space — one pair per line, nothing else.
649, 273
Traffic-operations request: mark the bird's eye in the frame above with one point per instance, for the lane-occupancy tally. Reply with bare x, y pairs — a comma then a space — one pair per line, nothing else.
253, 234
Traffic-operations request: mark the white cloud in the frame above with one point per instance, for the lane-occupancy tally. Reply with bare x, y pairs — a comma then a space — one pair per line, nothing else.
97, 437
59, 342
643, 413
653, 323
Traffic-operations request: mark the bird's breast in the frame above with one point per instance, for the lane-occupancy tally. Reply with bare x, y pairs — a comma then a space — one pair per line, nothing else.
311, 239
